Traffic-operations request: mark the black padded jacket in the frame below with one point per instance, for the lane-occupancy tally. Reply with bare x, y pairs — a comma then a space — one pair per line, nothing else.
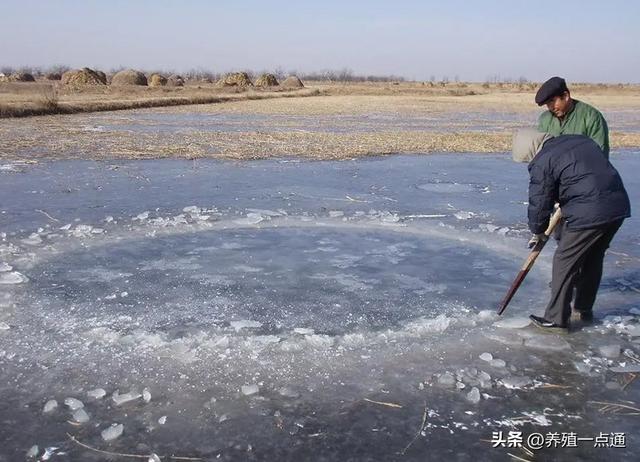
572, 170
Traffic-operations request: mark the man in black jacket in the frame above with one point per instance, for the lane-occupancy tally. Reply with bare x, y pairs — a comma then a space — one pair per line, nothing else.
572, 171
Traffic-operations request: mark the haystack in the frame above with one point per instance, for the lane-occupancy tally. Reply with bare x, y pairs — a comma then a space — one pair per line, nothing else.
175, 81
292, 82
267, 80
21, 77
53, 76
157, 80
129, 77
3, 78
236, 79
84, 76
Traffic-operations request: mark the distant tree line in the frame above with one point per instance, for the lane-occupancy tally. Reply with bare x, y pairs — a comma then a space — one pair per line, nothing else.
328, 75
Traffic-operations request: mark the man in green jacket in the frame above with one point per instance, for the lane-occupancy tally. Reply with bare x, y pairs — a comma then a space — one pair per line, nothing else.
568, 116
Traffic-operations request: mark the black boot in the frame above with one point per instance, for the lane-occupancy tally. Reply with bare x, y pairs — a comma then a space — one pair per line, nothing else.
548, 326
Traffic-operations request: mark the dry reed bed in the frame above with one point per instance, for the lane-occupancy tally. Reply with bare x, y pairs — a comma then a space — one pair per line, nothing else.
300, 127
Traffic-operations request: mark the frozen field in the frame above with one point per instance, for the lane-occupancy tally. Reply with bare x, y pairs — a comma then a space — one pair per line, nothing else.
285, 310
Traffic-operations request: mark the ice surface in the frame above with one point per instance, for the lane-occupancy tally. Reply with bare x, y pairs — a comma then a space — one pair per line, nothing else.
112, 432
610, 351
630, 368
288, 392
547, 342
321, 302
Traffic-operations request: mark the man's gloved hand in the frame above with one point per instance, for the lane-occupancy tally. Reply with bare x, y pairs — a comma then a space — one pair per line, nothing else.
542, 237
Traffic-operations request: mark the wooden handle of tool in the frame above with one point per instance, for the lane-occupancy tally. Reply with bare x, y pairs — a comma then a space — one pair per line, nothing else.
533, 255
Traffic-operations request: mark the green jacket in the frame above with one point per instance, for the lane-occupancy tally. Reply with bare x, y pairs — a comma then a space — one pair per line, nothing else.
582, 120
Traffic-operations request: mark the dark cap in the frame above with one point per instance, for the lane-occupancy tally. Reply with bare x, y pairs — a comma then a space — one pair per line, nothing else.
555, 86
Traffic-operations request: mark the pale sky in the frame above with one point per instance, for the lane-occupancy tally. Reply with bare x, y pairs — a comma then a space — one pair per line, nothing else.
583, 41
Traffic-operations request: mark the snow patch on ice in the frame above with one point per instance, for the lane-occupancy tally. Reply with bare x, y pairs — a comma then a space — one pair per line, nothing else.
13, 277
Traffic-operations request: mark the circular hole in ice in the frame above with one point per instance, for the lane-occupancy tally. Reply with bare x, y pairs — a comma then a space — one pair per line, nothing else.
333, 280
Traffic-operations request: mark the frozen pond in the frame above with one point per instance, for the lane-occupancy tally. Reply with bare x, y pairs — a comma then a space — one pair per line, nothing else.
171, 121
285, 310
374, 122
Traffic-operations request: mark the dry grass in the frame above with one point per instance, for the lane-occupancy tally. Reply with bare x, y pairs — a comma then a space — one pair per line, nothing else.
26, 99
345, 121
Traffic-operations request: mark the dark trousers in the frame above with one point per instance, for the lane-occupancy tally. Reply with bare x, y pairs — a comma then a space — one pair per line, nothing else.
577, 265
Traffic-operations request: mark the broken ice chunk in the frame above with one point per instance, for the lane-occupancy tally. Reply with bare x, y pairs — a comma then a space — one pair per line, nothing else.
245, 323
12, 277
142, 216
319, 341
486, 315
462, 215
80, 415
513, 323
485, 379
50, 406
33, 239
4, 267
486, 357
4, 326
162, 420
146, 395
447, 379
474, 396
194, 209
303, 331
73, 403
499, 363
252, 218
124, 397
48, 452
153, 458
98, 393
515, 382
249, 390
33, 452
112, 432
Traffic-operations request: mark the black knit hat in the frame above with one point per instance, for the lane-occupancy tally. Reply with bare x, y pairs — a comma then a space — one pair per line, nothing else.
555, 86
